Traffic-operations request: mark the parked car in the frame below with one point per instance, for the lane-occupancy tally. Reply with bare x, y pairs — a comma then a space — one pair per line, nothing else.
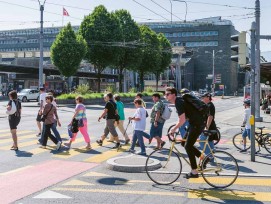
28, 94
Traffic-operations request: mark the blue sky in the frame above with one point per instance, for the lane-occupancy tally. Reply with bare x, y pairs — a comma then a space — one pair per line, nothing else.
16, 14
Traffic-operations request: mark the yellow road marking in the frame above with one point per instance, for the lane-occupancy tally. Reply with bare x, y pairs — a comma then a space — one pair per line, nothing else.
15, 170
95, 174
76, 151
107, 155
5, 130
229, 195
18, 133
120, 191
20, 138
76, 182
239, 181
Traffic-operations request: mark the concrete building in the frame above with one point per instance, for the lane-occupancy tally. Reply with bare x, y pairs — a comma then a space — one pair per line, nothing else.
202, 36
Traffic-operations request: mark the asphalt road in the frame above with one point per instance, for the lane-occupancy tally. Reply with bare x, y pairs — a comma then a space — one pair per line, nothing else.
81, 176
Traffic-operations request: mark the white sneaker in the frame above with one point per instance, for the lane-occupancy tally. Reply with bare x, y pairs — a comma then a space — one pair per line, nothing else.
58, 146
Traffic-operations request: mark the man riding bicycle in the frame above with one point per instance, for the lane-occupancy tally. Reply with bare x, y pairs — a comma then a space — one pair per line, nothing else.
185, 111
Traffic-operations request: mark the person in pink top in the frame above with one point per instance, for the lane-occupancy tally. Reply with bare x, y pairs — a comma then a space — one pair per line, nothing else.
80, 113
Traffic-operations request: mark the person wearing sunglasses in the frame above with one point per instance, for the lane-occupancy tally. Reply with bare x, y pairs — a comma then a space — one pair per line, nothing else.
197, 124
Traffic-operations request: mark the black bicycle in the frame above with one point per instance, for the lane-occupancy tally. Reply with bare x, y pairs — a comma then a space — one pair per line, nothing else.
215, 141
263, 140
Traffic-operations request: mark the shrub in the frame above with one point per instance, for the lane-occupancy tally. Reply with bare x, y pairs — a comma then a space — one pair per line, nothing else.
149, 89
111, 89
132, 90
82, 89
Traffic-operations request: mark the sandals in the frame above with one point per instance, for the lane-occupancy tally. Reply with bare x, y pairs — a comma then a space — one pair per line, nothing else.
88, 147
14, 148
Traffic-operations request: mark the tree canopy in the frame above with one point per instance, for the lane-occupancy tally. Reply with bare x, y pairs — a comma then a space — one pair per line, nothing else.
68, 51
101, 30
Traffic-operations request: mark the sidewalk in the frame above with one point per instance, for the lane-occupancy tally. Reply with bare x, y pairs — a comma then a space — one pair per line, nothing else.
260, 168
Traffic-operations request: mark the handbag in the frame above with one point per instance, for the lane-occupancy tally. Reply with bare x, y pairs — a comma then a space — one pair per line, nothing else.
43, 117
13, 109
74, 126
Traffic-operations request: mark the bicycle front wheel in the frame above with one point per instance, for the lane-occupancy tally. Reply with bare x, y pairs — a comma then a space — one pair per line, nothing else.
238, 142
220, 170
218, 136
267, 143
162, 167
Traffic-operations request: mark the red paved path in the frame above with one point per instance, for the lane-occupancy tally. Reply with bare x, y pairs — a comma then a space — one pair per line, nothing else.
17, 185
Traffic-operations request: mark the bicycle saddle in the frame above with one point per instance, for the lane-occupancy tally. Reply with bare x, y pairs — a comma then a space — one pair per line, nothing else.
261, 127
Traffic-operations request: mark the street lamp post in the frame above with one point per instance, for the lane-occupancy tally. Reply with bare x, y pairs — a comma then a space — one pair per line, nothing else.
41, 44
185, 8
213, 56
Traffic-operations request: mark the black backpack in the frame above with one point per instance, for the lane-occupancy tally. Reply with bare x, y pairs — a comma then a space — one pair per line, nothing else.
199, 105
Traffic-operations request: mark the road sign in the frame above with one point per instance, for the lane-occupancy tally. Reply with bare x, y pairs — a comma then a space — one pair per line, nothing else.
218, 78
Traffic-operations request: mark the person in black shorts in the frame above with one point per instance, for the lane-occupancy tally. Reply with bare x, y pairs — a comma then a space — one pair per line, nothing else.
14, 119
109, 113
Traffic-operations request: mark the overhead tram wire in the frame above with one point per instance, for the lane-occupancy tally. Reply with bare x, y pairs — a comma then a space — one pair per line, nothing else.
150, 10
166, 9
225, 5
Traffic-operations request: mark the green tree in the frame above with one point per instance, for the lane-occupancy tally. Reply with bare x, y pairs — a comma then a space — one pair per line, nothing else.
68, 50
129, 51
166, 54
150, 54
101, 31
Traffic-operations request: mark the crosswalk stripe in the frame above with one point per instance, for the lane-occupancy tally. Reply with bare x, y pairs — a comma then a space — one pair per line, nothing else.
239, 181
107, 155
229, 195
20, 138
18, 133
76, 151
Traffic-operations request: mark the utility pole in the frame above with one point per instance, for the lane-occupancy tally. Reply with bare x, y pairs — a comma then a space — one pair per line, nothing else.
258, 117
41, 45
252, 90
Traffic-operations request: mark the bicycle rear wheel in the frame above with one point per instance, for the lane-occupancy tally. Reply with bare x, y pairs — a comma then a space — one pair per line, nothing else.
239, 143
163, 168
218, 136
221, 169
267, 143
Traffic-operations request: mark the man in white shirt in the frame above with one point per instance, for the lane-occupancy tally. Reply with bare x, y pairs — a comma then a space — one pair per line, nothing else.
139, 125
42, 105
246, 124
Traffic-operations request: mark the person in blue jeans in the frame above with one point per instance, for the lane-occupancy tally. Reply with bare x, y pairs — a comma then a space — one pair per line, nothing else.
210, 124
139, 125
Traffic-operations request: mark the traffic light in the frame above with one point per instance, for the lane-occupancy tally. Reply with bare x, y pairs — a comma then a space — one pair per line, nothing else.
241, 49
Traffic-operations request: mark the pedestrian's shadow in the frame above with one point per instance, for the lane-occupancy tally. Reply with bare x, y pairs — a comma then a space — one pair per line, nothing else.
246, 170
20, 153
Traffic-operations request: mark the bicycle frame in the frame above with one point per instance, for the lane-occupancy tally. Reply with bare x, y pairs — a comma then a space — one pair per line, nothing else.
206, 144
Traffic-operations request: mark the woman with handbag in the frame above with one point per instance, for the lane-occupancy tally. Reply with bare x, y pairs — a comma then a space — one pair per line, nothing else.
48, 118
81, 119
14, 111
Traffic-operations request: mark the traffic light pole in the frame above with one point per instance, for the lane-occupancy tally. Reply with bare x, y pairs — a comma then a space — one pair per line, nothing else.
41, 45
258, 117
252, 90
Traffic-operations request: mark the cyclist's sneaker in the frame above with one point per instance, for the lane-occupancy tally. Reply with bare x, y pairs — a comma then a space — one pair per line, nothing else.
100, 142
117, 146
163, 144
243, 150
127, 141
190, 175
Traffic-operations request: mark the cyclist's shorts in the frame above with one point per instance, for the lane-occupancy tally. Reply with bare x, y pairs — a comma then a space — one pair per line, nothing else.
246, 133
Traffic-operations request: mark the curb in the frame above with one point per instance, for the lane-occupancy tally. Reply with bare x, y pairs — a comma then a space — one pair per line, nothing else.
113, 164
